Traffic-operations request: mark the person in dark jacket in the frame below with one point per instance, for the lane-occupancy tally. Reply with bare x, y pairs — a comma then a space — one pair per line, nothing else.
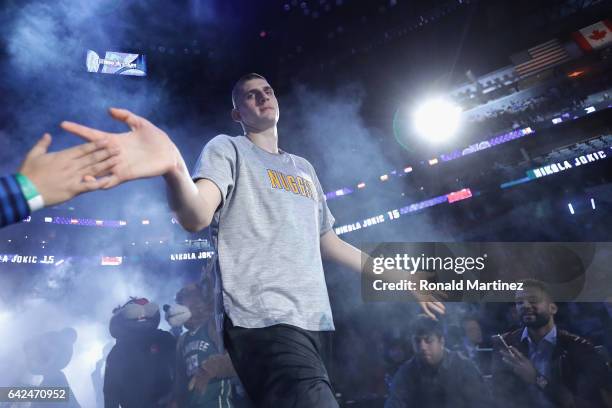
540, 365
140, 367
436, 377
205, 376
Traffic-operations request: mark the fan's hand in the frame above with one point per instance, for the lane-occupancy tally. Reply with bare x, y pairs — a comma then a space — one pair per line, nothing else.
60, 176
520, 364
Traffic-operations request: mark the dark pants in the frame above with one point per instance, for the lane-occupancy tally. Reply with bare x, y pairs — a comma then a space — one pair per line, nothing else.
281, 366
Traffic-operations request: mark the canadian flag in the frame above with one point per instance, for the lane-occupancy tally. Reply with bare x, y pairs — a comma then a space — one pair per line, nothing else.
595, 36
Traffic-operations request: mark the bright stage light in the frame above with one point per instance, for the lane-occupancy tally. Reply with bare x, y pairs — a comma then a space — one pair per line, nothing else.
437, 120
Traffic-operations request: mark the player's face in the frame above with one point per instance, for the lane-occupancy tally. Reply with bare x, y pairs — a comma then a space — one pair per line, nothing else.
534, 308
257, 105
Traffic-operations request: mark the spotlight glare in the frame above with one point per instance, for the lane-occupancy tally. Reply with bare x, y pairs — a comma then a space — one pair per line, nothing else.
571, 208
593, 203
437, 120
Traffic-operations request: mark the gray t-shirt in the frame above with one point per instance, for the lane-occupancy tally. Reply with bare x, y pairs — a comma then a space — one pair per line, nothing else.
267, 234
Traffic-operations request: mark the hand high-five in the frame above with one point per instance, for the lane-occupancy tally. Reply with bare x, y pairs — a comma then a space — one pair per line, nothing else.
60, 176
144, 151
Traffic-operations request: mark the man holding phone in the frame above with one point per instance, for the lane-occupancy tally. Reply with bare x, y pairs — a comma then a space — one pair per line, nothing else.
540, 365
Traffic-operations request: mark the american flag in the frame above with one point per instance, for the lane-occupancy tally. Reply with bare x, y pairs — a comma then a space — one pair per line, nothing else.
539, 58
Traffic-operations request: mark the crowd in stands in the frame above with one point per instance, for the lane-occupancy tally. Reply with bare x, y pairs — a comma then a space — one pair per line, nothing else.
555, 101
558, 354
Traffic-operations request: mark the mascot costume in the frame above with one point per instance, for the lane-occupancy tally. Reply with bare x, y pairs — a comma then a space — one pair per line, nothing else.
205, 377
47, 355
140, 367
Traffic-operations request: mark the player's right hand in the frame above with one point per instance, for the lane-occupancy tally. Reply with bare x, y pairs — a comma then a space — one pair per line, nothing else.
144, 151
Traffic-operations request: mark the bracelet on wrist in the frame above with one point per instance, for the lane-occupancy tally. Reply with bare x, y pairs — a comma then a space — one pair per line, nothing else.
31, 194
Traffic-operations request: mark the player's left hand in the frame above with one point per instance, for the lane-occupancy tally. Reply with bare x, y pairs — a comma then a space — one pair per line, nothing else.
431, 306
429, 301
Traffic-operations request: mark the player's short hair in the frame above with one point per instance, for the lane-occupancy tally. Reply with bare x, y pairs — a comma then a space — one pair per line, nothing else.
424, 326
241, 81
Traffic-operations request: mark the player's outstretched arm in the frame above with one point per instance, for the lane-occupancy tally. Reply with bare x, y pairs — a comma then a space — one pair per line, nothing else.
193, 204
143, 151
147, 151
335, 249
